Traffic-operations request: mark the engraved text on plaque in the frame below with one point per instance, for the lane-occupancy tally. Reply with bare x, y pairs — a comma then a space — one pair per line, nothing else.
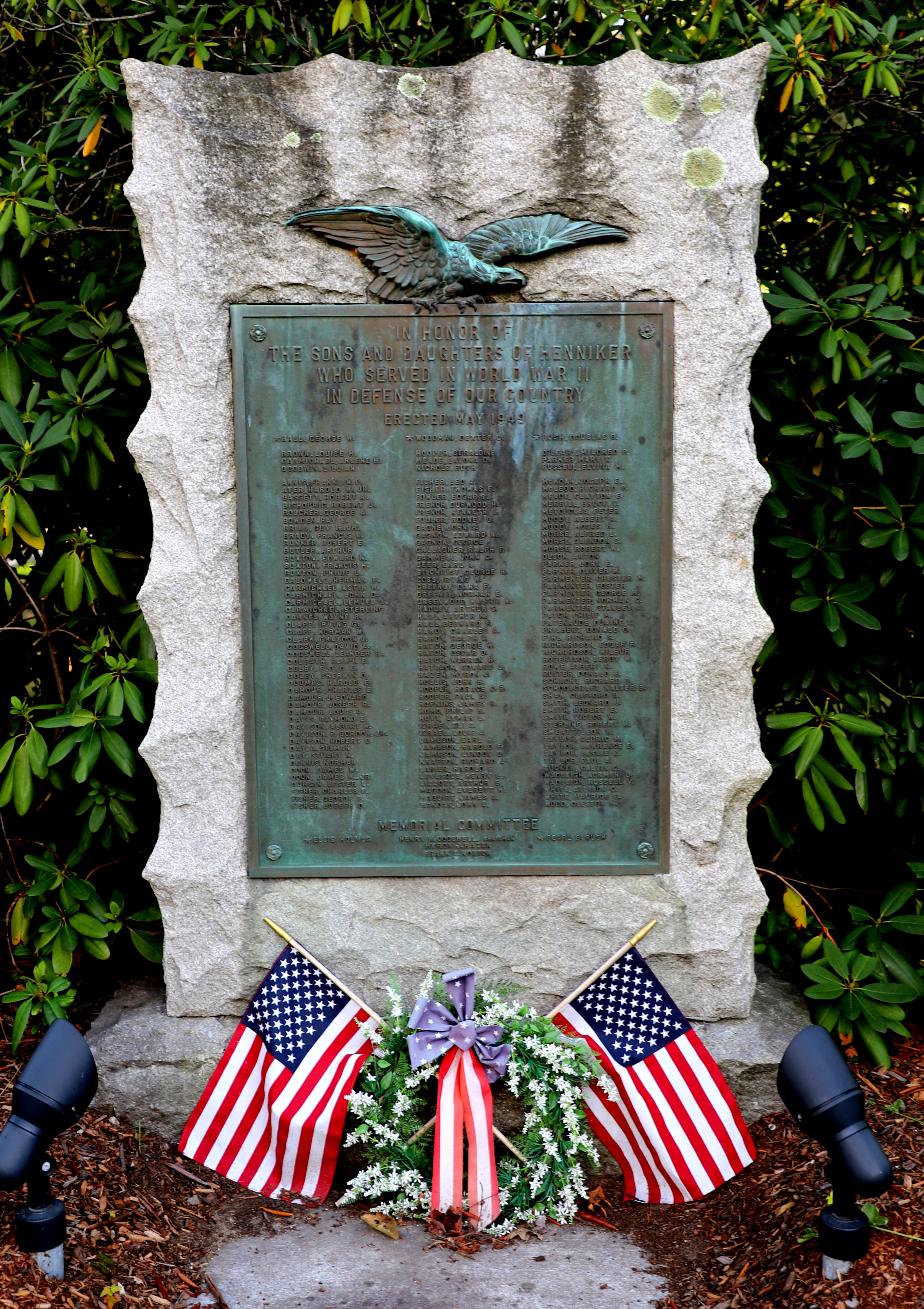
455, 561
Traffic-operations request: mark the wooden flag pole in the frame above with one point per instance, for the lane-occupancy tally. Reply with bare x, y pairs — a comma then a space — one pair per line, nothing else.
498, 1134
633, 940
422, 1131
509, 1144
624, 949
296, 945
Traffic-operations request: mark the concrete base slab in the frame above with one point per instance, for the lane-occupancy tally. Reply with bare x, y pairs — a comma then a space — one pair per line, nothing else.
152, 1067
339, 1263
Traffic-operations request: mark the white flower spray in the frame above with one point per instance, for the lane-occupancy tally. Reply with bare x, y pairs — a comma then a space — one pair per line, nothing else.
545, 1073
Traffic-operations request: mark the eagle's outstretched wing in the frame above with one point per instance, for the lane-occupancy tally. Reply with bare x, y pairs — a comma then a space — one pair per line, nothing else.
529, 235
407, 251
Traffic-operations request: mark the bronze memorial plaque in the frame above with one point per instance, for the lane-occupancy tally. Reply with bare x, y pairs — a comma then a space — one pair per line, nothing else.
455, 554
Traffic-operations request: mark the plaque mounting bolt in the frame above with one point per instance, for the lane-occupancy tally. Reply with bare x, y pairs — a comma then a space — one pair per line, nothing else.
644, 850
257, 333
274, 852
646, 332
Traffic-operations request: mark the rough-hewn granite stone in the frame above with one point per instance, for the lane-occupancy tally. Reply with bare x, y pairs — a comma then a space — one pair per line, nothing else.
668, 151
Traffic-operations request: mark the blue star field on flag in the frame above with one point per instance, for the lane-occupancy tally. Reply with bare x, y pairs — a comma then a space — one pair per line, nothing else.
630, 1012
272, 1114
663, 1109
292, 1008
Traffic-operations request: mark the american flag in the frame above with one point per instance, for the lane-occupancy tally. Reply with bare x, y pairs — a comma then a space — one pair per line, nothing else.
271, 1116
674, 1127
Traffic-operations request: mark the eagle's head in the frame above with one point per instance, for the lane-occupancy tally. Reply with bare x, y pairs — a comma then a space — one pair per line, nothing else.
511, 277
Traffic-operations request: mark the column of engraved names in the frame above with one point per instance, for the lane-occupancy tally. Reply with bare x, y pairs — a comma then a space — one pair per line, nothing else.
328, 600
457, 599
587, 603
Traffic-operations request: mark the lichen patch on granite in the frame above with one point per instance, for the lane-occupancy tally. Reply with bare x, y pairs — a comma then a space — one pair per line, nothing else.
712, 101
704, 167
663, 102
411, 85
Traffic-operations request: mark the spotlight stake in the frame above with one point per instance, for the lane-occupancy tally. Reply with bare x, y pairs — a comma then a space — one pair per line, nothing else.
822, 1094
49, 1095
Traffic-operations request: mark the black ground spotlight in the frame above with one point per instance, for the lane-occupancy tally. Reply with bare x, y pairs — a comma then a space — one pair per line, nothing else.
821, 1093
50, 1094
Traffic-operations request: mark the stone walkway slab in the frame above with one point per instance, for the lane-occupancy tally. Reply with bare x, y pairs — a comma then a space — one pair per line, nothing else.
339, 1263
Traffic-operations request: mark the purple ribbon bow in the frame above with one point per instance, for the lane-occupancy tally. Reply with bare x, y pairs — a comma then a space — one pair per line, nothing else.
438, 1029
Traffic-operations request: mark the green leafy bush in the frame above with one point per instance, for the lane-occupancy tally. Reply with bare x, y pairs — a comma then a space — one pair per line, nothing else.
838, 401
840, 539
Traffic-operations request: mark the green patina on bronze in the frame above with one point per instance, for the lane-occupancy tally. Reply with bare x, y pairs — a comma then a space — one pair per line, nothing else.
455, 551
415, 261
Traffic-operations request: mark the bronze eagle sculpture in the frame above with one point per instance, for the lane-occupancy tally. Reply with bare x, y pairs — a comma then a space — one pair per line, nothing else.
415, 261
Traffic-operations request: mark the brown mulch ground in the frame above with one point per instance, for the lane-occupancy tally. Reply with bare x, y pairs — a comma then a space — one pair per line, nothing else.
142, 1220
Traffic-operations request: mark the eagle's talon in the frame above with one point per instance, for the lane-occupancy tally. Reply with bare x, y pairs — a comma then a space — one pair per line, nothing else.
472, 302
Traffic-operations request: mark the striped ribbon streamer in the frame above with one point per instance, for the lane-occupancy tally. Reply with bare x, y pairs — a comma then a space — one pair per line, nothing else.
464, 1106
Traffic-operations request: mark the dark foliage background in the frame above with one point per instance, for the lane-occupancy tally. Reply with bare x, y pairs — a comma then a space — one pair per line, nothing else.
838, 397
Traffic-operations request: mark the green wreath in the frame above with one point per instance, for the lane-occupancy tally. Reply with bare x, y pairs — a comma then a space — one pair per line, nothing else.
546, 1073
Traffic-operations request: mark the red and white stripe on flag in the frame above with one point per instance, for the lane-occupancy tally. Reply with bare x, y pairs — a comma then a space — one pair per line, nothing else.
673, 1125
464, 1103
272, 1117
